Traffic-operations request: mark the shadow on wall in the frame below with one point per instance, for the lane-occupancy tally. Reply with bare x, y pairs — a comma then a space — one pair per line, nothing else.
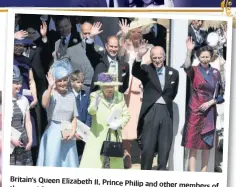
175, 132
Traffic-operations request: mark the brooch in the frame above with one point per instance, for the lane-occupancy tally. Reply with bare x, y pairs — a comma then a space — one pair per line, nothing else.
75, 40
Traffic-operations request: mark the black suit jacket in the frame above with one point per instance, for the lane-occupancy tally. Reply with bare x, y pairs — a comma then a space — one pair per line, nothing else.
103, 66
100, 63
192, 34
152, 89
160, 39
39, 62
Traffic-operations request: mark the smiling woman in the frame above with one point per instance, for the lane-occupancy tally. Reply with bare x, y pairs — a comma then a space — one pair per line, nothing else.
58, 149
199, 129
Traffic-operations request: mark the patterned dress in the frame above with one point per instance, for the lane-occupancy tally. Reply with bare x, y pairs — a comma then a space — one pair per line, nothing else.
20, 155
54, 151
199, 128
24, 64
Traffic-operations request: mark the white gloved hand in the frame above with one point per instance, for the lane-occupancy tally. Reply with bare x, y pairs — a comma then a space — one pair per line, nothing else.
115, 126
97, 100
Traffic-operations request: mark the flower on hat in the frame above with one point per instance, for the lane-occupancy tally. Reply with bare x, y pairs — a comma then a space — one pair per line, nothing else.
106, 79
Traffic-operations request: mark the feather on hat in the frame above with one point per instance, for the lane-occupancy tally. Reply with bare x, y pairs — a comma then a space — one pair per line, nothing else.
61, 69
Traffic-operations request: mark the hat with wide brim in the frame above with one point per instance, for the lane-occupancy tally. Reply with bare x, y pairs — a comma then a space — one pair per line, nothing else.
144, 23
61, 69
141, 22
25, 42
107, 79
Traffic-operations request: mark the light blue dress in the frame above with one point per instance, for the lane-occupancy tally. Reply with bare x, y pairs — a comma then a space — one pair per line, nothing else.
54, 151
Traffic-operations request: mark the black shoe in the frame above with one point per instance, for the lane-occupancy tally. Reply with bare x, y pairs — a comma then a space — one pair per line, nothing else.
127, 164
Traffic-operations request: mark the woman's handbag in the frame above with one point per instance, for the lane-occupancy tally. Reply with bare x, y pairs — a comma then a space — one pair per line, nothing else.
112, 149
66, 129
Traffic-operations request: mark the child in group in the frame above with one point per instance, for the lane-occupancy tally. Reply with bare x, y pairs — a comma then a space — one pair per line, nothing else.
82, 103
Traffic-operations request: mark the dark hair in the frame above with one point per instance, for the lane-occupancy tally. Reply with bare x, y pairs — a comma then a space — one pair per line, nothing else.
60, 18
203, 49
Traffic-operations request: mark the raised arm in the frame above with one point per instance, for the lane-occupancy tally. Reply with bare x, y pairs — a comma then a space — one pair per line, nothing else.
95, 99
190, 45
47, 93
41, 41
138, 71
20, 35
124, 29
97, 70
91, 53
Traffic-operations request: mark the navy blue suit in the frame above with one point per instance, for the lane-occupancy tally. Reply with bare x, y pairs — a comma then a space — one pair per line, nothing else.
82, 106
82, 103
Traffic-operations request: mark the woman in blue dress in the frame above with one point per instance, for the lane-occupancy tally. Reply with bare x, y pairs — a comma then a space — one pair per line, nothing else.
60, 105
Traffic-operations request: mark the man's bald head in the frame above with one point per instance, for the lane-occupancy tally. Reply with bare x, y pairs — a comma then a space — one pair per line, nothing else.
86, 29
112, 38
158, 56
112, 46
157, 49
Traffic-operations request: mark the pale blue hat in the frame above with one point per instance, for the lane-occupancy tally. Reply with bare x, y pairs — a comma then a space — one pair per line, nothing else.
61, 69
16, 74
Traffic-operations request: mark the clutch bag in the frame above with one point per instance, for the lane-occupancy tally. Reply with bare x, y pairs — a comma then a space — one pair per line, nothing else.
66, 129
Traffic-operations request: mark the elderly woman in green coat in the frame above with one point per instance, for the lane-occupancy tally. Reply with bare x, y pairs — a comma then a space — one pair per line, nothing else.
103, 104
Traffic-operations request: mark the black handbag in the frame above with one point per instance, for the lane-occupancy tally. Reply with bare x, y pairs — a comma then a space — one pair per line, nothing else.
112, 149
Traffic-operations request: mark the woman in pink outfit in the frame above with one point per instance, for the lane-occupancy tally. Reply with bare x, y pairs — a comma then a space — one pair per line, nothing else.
130, 42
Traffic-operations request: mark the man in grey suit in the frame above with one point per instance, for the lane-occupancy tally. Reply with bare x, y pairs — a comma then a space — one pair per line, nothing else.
79, 57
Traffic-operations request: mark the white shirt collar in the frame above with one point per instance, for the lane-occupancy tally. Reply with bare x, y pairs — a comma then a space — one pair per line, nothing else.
75, 92
67, 38
110, 59
198, 31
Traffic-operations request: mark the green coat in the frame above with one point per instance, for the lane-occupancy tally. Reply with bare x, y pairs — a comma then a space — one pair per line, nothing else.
91, 156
